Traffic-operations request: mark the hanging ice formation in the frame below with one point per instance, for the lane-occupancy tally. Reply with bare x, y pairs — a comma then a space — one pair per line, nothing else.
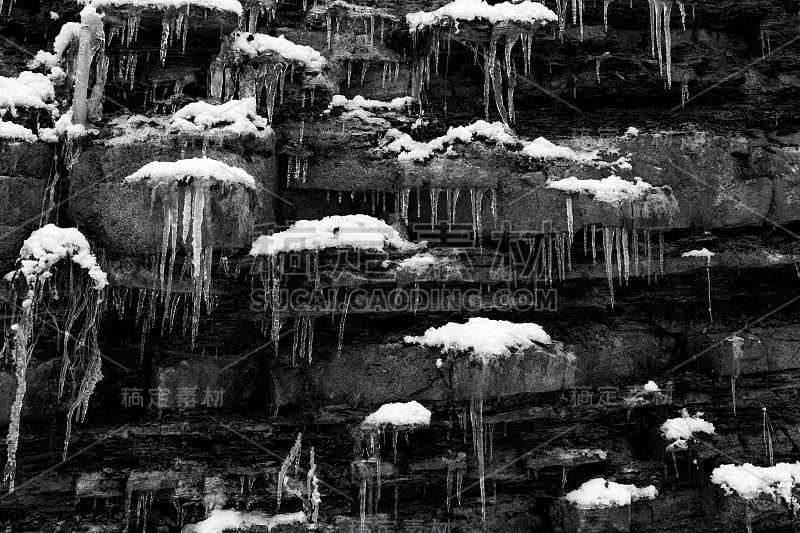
661, 38
304, 487
737, 343
185, 190
499, 66
87, 103
684, 91
252, 65
257, 8
57, 269
606, 3
363, 21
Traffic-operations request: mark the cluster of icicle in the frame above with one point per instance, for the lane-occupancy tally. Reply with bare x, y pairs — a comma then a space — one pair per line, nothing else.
307, 490
378, 202
500, 68
391, 70
363, 27
186, 211
263, 80
624, 243
57, 270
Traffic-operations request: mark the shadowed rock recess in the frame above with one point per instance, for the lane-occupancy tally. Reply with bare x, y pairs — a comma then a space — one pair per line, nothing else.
551, 282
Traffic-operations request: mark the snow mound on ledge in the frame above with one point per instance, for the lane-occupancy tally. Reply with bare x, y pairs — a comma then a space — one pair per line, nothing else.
611, 189
224, 520
750, 481
232, 6
699, 253
468, 10
483, 337
203, 169
359, 102
239, 116
362, 232
407, 149
15, 132
541, 148
684, 427
29, 89
598, 494
261, 44
410, 413
48, 245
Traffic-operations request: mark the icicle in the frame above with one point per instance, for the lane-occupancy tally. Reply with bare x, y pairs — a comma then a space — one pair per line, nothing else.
660, 36
594, 245
454, 205
708, 279
684, 91
635, 246
364, 67
165, 34
434, 192
349, 72
682, 8
766, 426
476, 418
342, 322
494, 207
736, 356
648, 254
661, 252
293, 457
383, 76
625, 254
362, 504
476, 199
618, 239
608, 253
606, 3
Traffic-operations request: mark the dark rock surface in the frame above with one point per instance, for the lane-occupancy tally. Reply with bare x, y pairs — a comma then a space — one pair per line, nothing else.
729, 157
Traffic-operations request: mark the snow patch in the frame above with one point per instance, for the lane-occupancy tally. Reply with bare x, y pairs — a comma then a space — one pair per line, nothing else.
222, 520
15, 132
686, 426
631, 132
238, 116
611, 189
750, 481
232, 6
484, 338
29, 89
541, 148
66, 34
407, 149
204, 169
468, 10
399, 414
48, 245
361, 232
359, 102
260, 44
599, 494
651, 386
699, 253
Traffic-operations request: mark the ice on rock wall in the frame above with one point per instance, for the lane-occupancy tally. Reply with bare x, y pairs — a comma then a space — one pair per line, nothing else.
185, 190
42, 287
510, 23
661, 38
707, 255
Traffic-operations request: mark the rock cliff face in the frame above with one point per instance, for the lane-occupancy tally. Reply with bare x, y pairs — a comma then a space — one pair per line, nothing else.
189, 419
